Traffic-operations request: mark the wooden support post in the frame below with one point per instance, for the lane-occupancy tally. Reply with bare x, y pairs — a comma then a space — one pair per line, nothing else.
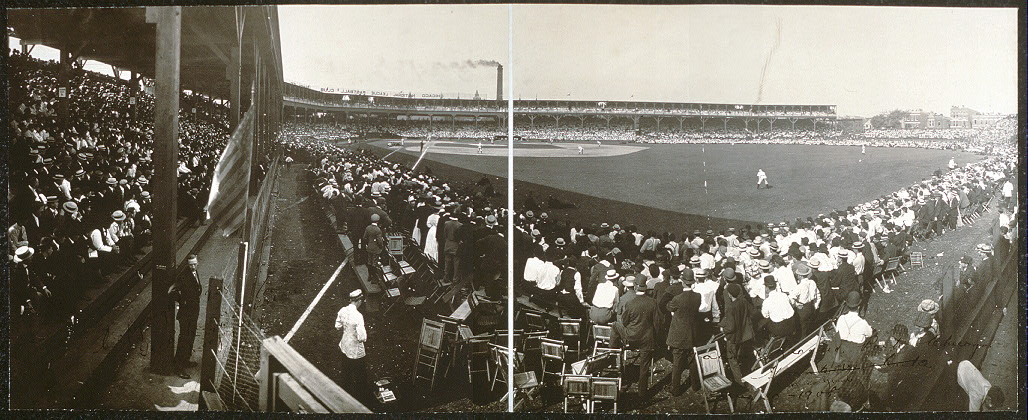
165, 180
232, 73
63, 87
212, 319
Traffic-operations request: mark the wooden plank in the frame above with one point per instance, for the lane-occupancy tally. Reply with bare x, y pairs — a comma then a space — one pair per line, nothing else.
290, 392
165, 179
365, 278
334, 398
213, 401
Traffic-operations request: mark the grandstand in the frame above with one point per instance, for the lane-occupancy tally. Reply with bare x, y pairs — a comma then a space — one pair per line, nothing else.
297, 202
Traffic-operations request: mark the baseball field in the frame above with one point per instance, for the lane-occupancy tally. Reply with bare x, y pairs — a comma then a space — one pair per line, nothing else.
668, 187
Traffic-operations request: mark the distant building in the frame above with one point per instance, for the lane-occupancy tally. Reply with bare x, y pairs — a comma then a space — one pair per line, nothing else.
925, 119
852, 124
986, 120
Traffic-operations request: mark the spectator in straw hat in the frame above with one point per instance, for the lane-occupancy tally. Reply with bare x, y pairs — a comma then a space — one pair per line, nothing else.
806, 298
601, 309
350, 321
186, 292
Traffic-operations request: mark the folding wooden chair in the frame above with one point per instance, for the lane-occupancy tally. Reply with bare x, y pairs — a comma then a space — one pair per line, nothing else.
615, 369
712, 373
571, 332
534, 321
604, 390
451, 340
764, 354
888, 273
394, 244
429, 351
576, 387
916, 259
601, 335
478, 360
525, 387
553, 351
500, 359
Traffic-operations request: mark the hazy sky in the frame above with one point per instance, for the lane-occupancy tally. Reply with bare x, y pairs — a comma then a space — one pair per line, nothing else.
419, 48
863, 59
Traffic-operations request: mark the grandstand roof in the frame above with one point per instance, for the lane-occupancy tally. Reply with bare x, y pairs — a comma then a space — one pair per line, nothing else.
121, 37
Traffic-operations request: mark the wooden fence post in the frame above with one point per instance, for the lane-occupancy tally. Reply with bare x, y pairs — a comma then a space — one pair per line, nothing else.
212, 319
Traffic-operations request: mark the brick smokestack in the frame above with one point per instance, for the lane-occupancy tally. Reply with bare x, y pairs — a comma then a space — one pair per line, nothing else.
499, 82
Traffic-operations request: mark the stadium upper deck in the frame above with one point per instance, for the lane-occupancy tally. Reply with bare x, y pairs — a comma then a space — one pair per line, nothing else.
299, 100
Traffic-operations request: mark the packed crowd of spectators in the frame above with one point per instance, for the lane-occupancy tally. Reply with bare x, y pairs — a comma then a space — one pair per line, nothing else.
460, 226
665, 292
79, 200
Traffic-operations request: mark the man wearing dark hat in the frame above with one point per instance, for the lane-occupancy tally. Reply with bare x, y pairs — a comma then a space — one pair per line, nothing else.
853, 332
901, 369
737, 325
186, 292
778, 310
638, 323
683, 335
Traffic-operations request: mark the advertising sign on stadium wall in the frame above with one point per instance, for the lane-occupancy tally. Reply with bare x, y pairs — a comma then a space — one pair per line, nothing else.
362, 92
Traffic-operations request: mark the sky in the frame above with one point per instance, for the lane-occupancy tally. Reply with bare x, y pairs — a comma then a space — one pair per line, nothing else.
422, 49
865, 60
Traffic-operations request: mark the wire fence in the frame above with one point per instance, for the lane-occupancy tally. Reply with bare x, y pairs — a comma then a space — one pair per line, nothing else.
237, 358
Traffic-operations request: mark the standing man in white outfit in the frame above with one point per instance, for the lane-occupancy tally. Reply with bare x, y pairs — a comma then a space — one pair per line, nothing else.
355, 371
761, 178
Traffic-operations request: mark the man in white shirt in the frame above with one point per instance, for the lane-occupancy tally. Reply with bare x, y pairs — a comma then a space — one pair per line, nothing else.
706, 285
806, 298
606, 294
853, 331
350, 321
777, 309
785, 278
534, 269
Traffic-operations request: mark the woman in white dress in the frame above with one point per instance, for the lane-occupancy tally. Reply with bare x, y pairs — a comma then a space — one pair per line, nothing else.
431, 244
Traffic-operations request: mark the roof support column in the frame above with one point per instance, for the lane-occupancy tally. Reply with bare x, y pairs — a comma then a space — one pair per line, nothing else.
232, 73
165, 181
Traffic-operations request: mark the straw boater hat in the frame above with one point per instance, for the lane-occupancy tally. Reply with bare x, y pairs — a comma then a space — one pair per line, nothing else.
118, 216
23, 253
612, 275
803, 271
356, 294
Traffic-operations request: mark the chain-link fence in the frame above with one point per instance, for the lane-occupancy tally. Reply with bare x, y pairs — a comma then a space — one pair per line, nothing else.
237, 358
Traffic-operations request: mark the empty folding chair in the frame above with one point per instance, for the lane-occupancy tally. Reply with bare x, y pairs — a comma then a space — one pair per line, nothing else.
601, 335
576, 387
571, 332
712, 375
916, 259
604, 390
429, 351
553, 352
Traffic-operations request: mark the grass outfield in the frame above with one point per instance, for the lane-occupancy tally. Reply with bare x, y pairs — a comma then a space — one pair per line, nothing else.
806, 180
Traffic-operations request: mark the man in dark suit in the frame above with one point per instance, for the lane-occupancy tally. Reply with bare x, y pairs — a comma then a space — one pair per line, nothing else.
901, 368
373, 240
639, 332
737, 324
186, 292
682, 335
